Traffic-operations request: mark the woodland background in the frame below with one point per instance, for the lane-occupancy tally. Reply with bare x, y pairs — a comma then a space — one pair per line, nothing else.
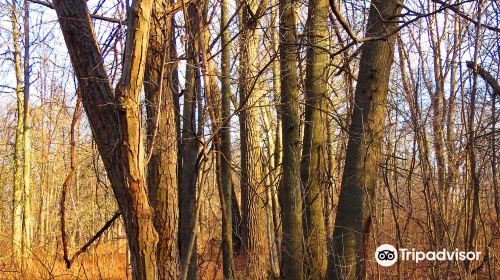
229, 162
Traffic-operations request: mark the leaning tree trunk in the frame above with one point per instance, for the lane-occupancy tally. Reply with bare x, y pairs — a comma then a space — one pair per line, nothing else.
290, 193
313, 175
115, 119
162, 143
355, 206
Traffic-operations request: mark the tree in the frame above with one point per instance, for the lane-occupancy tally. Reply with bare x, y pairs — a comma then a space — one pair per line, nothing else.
17, 198
161, 157
225, 147
27, 223
290, 192
313, 167
253, 224
115, 119
356, 200
190, 143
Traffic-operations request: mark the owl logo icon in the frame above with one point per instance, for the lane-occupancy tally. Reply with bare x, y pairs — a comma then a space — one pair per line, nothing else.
386, 255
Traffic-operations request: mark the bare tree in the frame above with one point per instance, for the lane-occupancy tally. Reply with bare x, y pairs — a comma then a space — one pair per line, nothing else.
313, 161
290, 191
115, 120
161, 157
356, 201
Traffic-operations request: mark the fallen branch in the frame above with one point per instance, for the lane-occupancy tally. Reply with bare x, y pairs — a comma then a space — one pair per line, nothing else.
96, 236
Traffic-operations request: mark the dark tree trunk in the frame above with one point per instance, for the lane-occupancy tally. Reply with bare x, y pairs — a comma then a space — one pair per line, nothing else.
190, 147
355, 206
225, 149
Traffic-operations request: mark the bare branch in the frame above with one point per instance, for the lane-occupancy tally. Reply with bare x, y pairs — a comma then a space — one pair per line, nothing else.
94, 16
486, 76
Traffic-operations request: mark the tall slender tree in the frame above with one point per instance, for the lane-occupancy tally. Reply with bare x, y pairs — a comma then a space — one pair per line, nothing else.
313, 161
290, 192
225, 146
253, 224
27, 223
356, 201
17, 198
190, 143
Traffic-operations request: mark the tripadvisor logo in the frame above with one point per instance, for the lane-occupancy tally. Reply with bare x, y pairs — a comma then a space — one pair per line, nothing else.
387, 255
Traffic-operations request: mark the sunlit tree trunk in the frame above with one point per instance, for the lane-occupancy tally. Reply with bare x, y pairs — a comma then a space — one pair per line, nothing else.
27, 226
290, 192
436, 92
471, 146
17, 209
277, 151
271, 178
115, 119
159, 91
253, 225
356, 201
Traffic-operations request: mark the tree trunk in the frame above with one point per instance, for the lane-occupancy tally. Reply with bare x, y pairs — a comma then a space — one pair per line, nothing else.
253, 226
314, 157
17, 210
290, 193
27, 226
277, 151
162, 143
190, 145
355, 208
471, 146
436, 92
115, 119
225, 148
236, 216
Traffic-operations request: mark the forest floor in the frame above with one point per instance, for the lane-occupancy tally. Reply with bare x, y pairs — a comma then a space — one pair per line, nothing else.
109, 262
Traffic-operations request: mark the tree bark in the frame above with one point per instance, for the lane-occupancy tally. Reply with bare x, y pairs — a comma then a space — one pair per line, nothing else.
159, 89
253, 226
471, 145
27, 230
314, 157
17, 198
290, 192
190, 145
115, 119
277, 151
225, 148
355, 206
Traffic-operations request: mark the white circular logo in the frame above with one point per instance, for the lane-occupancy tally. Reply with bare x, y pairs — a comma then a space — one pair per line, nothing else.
386, 255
